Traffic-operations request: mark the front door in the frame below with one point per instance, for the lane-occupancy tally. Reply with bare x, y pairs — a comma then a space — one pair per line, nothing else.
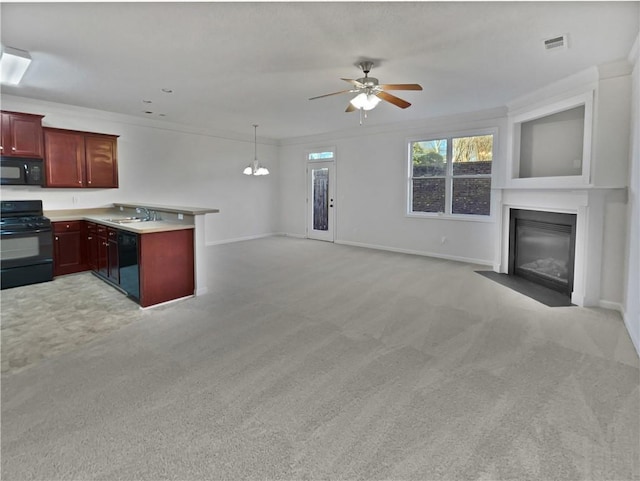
320, 201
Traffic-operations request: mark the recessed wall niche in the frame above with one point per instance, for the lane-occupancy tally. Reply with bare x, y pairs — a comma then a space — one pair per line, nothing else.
551, 145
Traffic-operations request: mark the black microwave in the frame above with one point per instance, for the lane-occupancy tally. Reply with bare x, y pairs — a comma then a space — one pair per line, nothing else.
16, 171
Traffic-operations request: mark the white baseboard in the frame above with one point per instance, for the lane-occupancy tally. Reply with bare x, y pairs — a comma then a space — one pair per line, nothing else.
201, 291
239, 239
288, 234
634, 334
467, 260
615, 306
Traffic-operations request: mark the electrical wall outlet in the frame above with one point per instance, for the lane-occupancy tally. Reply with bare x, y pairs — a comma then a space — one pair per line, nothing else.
180, 216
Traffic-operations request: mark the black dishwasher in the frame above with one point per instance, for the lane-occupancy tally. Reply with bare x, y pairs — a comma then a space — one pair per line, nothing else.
128, 263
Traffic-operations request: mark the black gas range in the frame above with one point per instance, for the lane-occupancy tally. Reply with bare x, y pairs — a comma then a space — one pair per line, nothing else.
26, 244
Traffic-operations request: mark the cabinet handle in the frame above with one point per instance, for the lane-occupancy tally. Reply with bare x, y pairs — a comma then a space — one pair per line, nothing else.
89, 182
1, 147
57, 238
89, 238
13, 148
67, 226
79, 182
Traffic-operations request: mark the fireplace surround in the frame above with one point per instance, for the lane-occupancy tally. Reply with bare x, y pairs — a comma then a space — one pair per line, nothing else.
588, 206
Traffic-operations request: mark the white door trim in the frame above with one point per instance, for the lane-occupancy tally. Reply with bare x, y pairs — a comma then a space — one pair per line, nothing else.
329, 234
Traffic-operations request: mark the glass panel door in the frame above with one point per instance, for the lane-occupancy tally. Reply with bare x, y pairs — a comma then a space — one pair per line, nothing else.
321, 205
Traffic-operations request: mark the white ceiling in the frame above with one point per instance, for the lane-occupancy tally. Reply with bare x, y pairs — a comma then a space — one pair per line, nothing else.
231, 65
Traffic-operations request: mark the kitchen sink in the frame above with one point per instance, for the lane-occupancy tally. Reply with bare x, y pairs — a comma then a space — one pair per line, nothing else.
126, 220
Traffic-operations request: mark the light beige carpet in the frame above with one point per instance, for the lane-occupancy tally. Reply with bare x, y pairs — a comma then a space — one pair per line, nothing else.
309, 360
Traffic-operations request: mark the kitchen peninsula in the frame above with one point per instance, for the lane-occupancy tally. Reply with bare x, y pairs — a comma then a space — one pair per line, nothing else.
166, 242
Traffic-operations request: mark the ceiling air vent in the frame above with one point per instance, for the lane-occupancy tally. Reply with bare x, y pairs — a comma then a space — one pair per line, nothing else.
556, 43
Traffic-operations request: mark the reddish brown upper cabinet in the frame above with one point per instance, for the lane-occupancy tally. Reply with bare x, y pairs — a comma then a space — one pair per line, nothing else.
64, 158
80, 159
21, 135
101, 160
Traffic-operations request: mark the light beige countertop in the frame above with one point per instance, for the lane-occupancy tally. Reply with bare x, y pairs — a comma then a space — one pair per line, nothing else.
108, 215
78, 214
147, 227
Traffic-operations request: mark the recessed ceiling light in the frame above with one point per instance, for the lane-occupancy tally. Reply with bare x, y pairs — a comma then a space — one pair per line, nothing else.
148, 112
146, 101
167, 91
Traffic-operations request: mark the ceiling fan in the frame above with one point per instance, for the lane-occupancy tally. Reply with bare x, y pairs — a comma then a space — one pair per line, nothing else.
370, 92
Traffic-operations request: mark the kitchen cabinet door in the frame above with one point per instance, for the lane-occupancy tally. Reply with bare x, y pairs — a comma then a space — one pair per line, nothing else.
92, 246
64, 158
103, 251
21, 135
68, 248
166, 266
113, 267
101, 161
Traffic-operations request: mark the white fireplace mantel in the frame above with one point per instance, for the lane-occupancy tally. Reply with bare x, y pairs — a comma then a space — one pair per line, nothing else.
588, 203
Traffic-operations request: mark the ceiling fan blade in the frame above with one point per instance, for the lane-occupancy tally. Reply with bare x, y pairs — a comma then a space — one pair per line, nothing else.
401, 87
353, 82
398, 102
328, 95
350, 108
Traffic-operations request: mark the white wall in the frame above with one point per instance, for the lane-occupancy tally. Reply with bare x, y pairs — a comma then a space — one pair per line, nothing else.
371, 195
632, 280
552, 145
165, 164
610, 169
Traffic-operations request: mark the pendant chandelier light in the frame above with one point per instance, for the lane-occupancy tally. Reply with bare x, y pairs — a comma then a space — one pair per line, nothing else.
254, 168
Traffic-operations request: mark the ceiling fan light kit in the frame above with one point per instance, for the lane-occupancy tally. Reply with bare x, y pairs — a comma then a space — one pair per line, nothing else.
369, 92
254, 168
365, 101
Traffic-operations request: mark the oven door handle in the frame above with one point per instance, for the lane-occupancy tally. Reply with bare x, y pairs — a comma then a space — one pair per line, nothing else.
24, 232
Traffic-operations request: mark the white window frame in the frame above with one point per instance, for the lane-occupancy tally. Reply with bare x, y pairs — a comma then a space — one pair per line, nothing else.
321, 150
449, 136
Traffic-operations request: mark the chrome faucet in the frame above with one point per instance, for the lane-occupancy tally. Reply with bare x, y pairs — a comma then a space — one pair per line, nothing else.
147, 214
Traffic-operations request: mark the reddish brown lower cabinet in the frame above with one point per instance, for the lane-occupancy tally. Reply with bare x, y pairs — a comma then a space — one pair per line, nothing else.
92, 246
166, 266
69, 247
113, 265
165, 259
103, 251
